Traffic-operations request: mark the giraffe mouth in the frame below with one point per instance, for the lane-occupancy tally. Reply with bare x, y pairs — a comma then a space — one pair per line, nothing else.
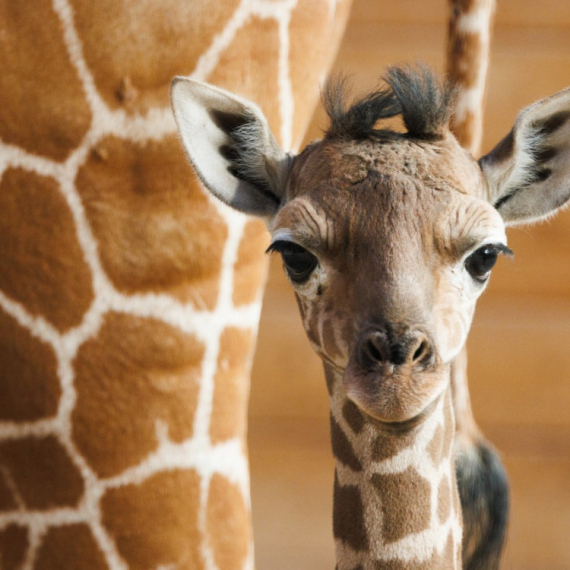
393, 393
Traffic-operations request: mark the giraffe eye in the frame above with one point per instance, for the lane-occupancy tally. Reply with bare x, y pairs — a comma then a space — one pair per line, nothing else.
299, 263
480, 263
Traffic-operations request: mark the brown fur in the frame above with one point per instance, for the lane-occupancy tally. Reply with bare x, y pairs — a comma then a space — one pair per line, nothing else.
71, 547
102, 225
37, 227
402, 516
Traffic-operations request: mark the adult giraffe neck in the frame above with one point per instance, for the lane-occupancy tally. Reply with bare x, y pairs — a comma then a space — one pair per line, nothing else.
396, 503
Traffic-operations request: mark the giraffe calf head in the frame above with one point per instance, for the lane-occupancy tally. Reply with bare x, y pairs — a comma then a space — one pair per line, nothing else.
388, 238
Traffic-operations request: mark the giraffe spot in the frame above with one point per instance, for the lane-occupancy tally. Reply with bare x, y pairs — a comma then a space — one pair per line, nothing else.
312, 31
400, 515
70, 546
342, 448
156, 522
43, 109
42, 265
435, 446
137, 377
386, 446
13, 546
253, 72
231, 385
353, 416
29, 386
228, 524
147, 211
348, 516
466, 47
443, 500
250, 269
134, 51
7, 500
41, 471
329, 343
465, 128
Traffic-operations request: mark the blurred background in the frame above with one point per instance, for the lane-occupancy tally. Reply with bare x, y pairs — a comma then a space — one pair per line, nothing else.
519, 346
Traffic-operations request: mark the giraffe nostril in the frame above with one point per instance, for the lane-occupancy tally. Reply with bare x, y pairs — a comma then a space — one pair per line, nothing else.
420, 351
373, 351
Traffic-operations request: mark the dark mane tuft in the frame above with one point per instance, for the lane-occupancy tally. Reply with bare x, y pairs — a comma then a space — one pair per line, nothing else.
358, 119
425, 103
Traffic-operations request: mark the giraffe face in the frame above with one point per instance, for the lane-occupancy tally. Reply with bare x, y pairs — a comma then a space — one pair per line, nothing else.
388, 246
388, 237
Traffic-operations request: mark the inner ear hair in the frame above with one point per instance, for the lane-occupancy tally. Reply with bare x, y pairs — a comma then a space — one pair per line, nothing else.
231, 147
527, 172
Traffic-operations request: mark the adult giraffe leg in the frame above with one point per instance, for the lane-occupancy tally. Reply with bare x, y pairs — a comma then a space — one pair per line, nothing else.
481, 477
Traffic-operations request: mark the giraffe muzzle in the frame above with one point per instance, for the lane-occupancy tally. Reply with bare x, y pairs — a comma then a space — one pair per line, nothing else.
393, 377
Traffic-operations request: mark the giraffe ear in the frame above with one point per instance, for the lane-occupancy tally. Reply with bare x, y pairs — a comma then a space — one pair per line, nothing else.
528, 172
231, 147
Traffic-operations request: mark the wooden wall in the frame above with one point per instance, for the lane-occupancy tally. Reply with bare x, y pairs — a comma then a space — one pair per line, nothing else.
520, 341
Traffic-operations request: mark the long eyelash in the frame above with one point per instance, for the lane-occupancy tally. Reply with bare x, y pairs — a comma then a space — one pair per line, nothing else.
503, 249
277, 246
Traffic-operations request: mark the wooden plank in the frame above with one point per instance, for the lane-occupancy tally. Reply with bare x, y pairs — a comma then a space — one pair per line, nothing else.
552, 13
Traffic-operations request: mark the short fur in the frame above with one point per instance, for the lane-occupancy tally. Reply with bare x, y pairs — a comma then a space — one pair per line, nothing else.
417, 94
385, 213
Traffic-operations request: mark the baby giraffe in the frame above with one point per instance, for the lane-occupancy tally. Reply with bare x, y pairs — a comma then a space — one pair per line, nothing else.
388, 239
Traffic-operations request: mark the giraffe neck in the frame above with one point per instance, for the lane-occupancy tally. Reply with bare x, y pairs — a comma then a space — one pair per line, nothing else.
395, 494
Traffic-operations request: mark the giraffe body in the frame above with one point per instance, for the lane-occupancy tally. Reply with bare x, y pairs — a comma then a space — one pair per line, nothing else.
127, 323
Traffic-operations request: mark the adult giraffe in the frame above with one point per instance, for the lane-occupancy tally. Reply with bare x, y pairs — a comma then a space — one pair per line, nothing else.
127, 323
388, 239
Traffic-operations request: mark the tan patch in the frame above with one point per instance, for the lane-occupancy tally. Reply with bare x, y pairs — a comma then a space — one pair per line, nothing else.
135, 373
443, 500
406, 503
42, 471
147, 211
43, 105
229, 411
466, 48
146, 45
13, 546
353, 416
435, 446
386, 446
312, 31
42, 265
156, 523
250, 269
464, 130
253, 72
227, 524
72, 547
329, 344
342, 448
348, 516
29, 386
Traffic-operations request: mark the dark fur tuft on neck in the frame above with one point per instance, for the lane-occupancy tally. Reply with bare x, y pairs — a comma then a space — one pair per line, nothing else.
416, 93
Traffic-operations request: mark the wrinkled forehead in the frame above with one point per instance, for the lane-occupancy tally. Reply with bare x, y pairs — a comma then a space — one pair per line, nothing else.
396, 190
